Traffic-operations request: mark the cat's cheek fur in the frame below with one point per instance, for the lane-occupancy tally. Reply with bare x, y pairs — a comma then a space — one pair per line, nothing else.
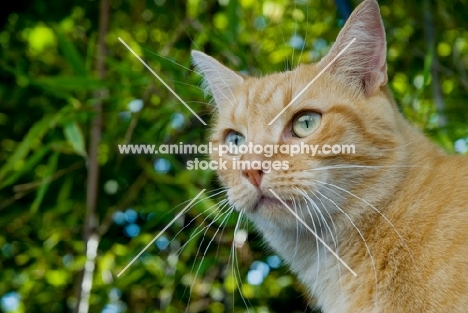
241, 194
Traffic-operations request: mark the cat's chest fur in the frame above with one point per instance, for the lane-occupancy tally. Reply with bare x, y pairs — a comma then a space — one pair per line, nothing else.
319, 270
314, 266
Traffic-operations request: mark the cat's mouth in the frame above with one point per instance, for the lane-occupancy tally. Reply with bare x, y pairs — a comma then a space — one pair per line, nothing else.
266, 202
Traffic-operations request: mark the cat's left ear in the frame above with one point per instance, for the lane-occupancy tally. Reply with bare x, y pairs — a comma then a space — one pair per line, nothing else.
219, 79
364, 63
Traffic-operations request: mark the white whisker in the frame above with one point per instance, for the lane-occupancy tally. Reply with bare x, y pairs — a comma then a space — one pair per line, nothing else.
358, 231
161, 232
217, 217
348, 166
376, 210
235, 267
313, 233
196, 231
317, 247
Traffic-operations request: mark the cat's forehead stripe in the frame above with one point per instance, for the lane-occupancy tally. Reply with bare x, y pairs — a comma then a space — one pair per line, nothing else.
264, 93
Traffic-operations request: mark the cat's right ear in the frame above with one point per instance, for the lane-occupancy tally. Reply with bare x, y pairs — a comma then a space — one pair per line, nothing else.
363, 64
219, 80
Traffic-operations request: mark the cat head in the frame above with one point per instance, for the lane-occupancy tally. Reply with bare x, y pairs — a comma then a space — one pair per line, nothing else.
347, 104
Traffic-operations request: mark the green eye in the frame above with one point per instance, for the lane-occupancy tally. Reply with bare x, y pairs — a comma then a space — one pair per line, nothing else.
305, 123
234, 139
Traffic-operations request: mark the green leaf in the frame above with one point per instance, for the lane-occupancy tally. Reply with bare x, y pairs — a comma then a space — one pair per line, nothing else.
75, 137
31, 162
57, 277
70, 52
37, 131
233, 16
69, 83
51, 167
428, 59
64, 193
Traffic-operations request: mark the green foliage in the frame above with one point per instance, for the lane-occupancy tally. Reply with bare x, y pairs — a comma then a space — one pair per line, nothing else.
48, 91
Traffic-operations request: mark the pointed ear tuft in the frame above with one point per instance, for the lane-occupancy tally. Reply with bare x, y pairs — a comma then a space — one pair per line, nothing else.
364, 63
219, 80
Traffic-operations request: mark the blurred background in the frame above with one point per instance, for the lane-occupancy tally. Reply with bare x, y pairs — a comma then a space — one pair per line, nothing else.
74, 212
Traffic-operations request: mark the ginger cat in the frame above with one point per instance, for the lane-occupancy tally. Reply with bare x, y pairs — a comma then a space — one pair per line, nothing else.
396, 211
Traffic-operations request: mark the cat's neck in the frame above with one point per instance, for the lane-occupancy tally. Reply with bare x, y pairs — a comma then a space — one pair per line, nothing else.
315, 267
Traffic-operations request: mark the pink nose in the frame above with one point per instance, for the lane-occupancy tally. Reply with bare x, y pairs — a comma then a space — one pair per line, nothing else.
254, 176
